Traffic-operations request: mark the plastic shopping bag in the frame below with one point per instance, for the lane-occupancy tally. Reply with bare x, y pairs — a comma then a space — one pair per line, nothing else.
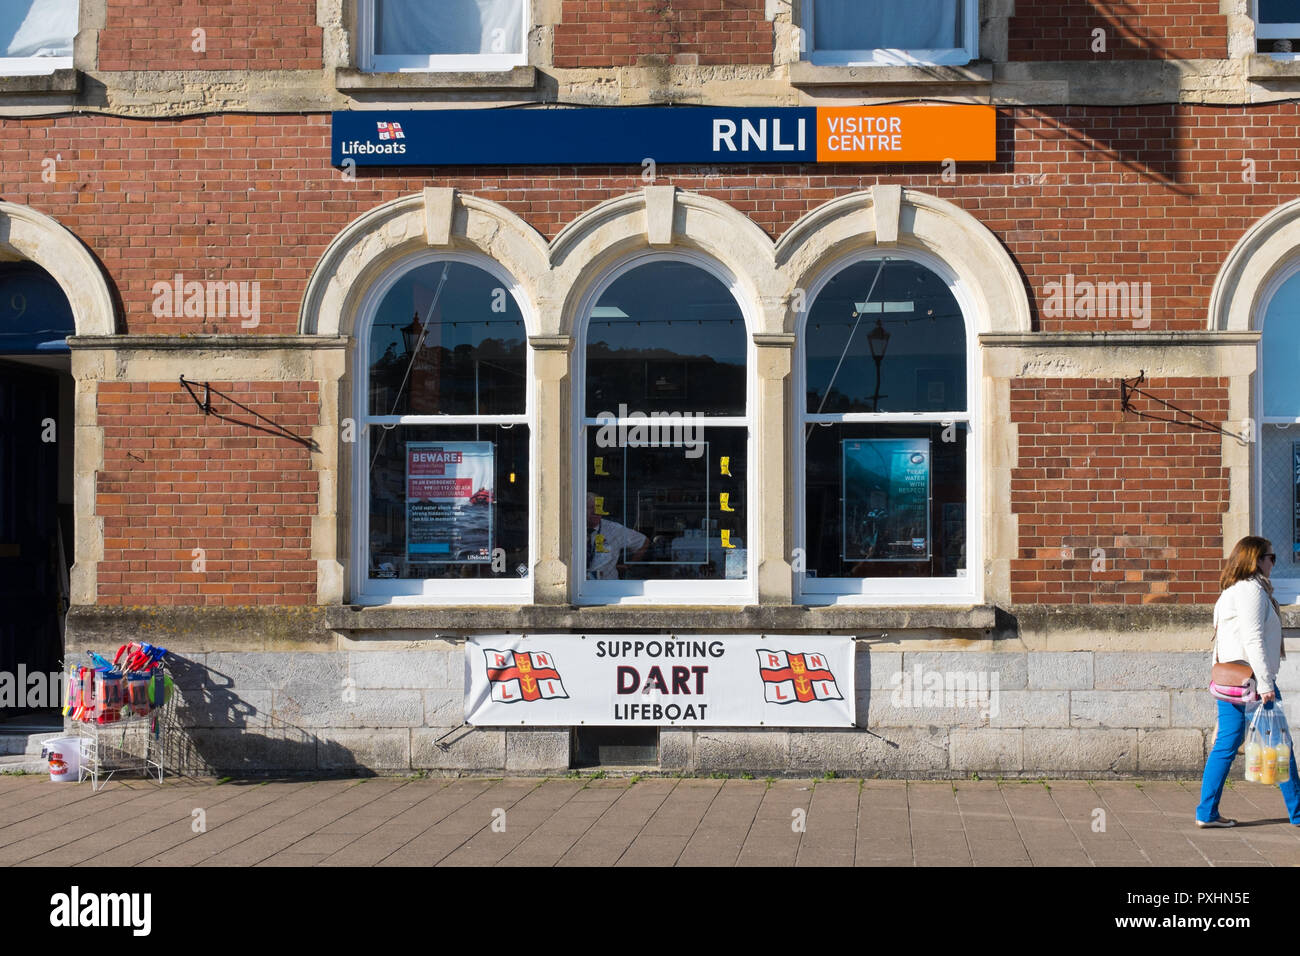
1268, 747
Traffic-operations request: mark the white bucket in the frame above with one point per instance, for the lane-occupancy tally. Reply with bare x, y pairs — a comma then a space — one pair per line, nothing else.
64, 756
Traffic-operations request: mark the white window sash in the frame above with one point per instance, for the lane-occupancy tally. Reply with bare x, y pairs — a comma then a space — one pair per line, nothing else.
944, 56
1272, 31
434, 63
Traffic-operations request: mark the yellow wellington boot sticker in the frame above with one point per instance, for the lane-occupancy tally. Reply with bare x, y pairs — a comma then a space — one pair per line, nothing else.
726, 465
600, 467
600, 544
600, 506
726, 539
725, 498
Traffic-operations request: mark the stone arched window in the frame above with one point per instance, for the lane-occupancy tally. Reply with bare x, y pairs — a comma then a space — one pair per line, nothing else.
886, 483
443, 461
663, 435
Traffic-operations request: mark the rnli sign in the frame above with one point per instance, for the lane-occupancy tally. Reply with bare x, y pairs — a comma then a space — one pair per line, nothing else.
615, 680
908, 133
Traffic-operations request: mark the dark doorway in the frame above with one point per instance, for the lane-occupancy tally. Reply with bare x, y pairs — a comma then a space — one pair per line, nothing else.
33, 569
36, 470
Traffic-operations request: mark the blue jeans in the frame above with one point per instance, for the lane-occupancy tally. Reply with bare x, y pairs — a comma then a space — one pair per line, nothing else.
1232, 731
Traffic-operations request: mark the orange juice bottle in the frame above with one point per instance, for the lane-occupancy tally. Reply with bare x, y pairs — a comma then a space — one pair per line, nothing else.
1283, 761
1268, 761
1254, 758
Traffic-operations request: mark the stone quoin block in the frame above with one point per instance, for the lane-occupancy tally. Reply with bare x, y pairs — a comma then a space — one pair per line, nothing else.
986, 750
742, 750
886, 752
370, 708
364, 749
1032, 708
530, 751
399, 669
1171, 750
1173, 670
458, 748
1119, 708
1060, 670
1095, 751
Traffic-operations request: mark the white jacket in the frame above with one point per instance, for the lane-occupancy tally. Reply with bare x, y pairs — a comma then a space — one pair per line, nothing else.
1248, 629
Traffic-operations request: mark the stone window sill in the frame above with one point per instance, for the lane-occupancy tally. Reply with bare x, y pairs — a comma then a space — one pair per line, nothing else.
518, 78
60, 81
803, 73
978, 619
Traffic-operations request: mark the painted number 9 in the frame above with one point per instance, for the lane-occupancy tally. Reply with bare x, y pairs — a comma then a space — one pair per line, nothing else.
18, 304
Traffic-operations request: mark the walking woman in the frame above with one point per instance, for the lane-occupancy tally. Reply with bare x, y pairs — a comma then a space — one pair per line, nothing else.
1247, 627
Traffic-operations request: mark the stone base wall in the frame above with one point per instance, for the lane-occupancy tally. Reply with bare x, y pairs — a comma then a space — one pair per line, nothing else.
1031, 713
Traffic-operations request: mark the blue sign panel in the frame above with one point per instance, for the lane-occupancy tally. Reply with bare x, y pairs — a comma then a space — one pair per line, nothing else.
622, 135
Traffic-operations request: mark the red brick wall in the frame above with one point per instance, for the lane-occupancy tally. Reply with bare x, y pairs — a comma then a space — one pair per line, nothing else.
174, 480
240, 35
1150, 495
621, 32
1151, 194
1140, 30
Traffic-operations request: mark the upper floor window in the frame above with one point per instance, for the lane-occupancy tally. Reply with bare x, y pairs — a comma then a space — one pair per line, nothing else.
1277, 25
414, 35
892, 32
36, 36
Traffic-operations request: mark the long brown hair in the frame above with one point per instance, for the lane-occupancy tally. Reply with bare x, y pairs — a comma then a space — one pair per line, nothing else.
1243, 563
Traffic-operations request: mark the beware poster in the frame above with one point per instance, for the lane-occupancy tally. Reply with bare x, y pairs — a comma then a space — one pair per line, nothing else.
450, 491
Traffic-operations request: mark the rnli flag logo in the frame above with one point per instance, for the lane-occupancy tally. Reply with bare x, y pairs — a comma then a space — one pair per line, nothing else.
391, 131
523, 675
790, 678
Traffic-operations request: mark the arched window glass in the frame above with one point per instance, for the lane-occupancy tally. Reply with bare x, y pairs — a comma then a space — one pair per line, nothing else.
885, 434
665, 436
445, 460
1278, 501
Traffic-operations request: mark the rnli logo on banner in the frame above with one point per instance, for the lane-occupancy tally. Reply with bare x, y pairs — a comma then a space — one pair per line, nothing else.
522, 675
390, 131
788, 678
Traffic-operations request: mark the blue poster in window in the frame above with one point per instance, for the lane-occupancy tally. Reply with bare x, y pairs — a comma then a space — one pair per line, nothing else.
449, 496
886, 514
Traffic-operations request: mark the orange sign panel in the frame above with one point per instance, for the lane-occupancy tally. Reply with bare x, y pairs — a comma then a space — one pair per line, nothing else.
906, 134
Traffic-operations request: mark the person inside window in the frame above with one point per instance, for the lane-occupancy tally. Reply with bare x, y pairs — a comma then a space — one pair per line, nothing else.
606, 541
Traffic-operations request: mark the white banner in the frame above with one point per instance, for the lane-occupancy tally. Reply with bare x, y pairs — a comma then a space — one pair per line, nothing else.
610, 680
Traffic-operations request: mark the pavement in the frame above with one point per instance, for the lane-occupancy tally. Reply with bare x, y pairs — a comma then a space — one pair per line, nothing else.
631, 821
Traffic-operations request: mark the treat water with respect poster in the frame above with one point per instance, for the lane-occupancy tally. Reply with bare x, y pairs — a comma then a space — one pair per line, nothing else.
886, 499
450, 490
610, 680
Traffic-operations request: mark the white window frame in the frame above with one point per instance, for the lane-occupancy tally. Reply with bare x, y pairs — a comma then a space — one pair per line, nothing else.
1272, 31
968, 586
671, 591
434, 63
956, 56
1286, 590
510, 588
39, 65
